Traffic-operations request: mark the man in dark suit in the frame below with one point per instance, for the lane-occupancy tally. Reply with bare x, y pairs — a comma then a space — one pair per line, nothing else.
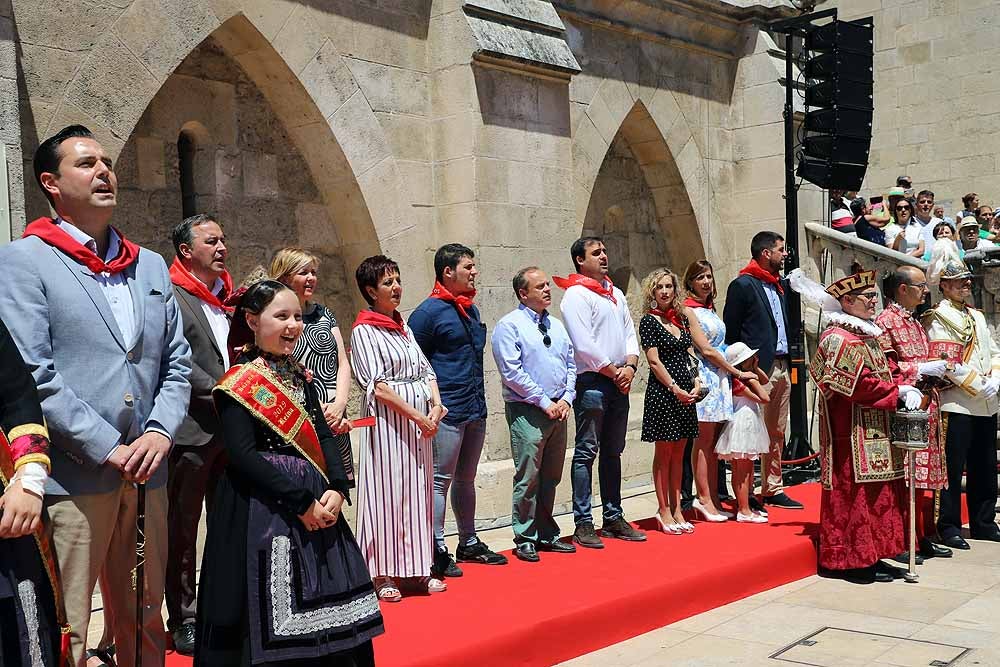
201, 284
755, 314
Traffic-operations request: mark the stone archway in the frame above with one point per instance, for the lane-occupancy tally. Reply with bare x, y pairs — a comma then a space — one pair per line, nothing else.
289, 51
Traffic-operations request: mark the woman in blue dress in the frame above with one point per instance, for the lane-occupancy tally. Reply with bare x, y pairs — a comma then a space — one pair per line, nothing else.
714, 371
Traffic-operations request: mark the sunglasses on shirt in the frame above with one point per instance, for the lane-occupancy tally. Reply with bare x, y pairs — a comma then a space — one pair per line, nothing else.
546, 340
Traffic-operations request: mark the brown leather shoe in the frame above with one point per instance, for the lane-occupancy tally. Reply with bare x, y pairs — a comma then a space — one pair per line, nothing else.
586, 536
623, 530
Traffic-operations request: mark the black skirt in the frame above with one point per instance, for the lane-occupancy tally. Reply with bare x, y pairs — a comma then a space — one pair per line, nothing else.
29, 632
273, 593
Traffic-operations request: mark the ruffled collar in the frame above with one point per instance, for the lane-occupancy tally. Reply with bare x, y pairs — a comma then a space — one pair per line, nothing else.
852, 323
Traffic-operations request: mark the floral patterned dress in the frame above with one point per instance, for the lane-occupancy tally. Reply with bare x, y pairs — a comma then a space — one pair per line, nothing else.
718, 406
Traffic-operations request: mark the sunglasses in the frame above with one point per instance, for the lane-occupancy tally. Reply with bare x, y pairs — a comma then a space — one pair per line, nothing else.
546, 340
903, 208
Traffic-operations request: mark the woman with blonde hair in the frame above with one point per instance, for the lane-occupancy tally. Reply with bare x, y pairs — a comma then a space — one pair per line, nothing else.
714, 372
321, 347
669, 417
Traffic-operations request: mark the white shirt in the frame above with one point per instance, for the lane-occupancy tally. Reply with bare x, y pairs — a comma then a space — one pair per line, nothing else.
219, 322
602, 331
927, 231
114, 287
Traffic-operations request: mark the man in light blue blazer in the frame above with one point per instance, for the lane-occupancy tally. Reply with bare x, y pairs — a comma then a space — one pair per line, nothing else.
96, 321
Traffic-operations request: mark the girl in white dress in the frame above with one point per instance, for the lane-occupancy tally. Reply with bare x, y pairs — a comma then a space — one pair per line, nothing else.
744, 437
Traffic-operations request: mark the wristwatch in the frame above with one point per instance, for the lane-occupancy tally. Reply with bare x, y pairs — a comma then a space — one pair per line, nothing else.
633, 367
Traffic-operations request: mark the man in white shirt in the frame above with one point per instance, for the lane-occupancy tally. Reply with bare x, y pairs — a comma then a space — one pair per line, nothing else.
968, 235
606, 351
201, 285
923, 215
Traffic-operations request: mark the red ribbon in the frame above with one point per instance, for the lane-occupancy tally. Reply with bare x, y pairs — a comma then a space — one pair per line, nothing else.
47, 230
591, 284
760, 273
187, 281
394, 323
462, 302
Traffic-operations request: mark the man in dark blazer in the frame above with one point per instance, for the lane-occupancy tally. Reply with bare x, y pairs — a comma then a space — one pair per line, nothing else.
201, 284
756, 314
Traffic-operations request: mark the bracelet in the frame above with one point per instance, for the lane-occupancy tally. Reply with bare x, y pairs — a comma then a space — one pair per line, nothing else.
634, 368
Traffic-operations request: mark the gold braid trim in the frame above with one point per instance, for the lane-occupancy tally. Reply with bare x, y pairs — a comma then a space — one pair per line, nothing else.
34, 458
27, 429
966, 385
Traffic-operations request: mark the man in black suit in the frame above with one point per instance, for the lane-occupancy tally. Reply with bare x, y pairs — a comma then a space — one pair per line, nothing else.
755, 314
201, 283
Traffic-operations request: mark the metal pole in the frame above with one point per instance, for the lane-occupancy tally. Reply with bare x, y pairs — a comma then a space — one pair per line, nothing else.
911, 576
798, 437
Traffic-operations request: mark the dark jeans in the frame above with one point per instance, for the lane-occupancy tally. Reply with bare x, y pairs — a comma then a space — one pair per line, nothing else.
971, 446
601, 413
193, 474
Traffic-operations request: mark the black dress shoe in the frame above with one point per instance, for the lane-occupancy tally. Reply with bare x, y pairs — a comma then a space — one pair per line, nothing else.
783, 501
881, 567
860, 575
930, 550
557, 546
989, 537
956, 542
184, 639
526, 551
904, 558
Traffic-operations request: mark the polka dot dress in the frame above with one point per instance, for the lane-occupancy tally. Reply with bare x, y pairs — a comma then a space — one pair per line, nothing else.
664, 417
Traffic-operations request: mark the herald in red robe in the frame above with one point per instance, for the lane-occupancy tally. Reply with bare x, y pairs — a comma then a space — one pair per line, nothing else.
862, 514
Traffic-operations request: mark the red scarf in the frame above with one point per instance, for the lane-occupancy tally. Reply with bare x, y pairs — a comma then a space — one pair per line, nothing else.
394, 323
461, 302
187, 281
47, 230
757, 271
692, 302
589, 283
670, 315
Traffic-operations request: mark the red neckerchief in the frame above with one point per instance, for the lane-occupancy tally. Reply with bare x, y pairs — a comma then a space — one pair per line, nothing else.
670, 315
589, 283
461, 302
394, 323
47, 230
187, 281
760, 273
692, 302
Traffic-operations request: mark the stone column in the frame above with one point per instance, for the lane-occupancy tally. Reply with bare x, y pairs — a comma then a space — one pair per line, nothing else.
10, 127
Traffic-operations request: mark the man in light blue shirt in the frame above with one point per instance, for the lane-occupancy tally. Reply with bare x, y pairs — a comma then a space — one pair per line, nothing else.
534, 355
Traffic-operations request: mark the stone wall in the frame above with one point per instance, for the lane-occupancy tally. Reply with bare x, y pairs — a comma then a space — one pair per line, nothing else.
246, 170
937, 96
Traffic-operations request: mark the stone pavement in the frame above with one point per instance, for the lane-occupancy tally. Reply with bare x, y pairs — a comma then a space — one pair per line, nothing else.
951, 617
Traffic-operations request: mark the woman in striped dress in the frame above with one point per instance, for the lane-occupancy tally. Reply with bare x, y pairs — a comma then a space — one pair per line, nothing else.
396, 460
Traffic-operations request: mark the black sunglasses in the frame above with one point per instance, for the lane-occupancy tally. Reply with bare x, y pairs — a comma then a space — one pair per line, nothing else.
546, 340
902, 208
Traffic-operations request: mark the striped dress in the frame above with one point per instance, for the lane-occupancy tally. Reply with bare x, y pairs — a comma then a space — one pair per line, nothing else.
396, 473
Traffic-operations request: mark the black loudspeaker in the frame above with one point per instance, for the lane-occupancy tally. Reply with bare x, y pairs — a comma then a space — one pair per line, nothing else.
839, 98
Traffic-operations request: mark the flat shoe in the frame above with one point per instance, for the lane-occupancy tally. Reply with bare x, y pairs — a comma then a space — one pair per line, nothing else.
387, 592
436, 585
752, 518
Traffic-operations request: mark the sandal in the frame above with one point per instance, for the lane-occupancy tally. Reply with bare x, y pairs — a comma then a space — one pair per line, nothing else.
436, 585
387, 591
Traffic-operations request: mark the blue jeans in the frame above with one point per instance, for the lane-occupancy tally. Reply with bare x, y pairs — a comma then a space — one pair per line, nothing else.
456, 458
601, 413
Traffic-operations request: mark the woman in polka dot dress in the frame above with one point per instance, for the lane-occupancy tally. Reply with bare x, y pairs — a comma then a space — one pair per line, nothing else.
669, 418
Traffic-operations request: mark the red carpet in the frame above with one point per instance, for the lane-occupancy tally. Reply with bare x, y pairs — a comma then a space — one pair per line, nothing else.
571, 604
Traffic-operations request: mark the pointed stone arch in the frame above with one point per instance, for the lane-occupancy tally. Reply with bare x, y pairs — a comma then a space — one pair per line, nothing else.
289, 51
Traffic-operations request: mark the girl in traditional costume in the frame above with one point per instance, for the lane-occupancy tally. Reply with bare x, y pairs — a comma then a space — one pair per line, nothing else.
282, 581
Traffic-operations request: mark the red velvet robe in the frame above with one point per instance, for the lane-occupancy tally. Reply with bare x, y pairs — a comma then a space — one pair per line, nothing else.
862, 513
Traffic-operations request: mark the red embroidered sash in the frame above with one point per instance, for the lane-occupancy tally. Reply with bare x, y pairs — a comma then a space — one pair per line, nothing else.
44, 543
259, 390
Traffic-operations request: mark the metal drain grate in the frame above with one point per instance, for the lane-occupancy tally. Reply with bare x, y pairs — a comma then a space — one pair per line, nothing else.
837, 647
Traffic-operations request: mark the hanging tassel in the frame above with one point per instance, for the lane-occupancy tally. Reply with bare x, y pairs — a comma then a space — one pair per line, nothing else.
64, 656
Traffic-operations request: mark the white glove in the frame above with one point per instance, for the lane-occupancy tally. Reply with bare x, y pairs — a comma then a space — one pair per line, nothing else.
934, 369
990, 387
910, 396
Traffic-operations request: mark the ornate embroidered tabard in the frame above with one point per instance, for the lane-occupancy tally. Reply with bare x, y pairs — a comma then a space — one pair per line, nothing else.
836, 368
